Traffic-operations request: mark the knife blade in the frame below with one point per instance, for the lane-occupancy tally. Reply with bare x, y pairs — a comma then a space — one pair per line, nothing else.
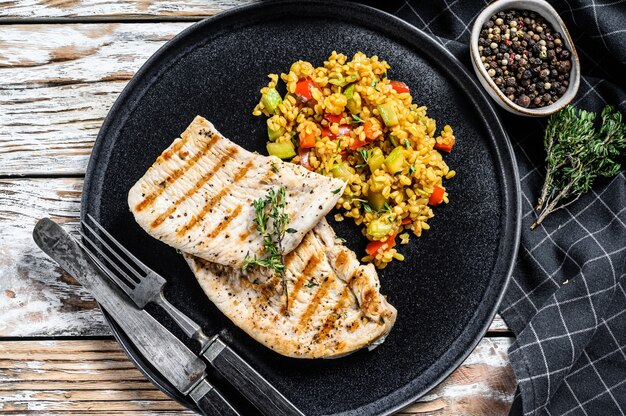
176, 363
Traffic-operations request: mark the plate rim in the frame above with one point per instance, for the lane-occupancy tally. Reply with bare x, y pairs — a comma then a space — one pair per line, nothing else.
512, 225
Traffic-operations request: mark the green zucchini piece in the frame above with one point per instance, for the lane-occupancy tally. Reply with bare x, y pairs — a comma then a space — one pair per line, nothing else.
283, 150
395, 160
271, 100
387, 112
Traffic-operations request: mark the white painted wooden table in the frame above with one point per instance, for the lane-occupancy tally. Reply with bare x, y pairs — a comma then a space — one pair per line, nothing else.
62, 64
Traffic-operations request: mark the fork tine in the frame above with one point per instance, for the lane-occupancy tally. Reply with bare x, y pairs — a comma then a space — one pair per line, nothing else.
107, 272
117, 256
118, 245
107, 258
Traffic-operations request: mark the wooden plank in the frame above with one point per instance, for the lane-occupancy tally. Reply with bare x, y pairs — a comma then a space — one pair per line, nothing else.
483, 385
36, 297
55, 94
123, 9
498, 326
95, 377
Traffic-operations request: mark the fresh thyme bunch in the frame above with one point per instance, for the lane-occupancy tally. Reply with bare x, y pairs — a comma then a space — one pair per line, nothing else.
271, 221
577, 155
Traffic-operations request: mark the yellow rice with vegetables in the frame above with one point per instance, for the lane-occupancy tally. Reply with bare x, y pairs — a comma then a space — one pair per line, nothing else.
347, 119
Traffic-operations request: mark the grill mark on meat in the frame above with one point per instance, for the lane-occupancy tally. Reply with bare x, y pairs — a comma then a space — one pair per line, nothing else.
307, 272
150, 198
357, 273
354, 325
303, 276
332, 317
268, 176
367, 299
170, 152
227, 220
205, 209
242, 172
214, 200
319, 295
244, 235
342, 259
199, 183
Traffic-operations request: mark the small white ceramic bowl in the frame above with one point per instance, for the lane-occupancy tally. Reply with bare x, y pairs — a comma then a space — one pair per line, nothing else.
546, 11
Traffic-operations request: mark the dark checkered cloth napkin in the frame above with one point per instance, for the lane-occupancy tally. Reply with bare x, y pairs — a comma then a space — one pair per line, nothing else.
566, 302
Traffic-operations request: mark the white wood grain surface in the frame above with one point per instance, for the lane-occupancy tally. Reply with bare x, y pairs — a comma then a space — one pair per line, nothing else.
114, 9
57, 82
95, 377
36, 297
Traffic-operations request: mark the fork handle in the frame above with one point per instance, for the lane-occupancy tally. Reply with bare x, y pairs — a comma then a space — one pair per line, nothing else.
252, 385
191, 329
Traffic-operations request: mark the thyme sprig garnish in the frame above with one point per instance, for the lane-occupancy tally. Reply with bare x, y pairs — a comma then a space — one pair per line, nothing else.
577, 155
271, 222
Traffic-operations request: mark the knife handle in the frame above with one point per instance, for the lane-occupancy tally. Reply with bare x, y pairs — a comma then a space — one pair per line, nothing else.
210, 401
252, 385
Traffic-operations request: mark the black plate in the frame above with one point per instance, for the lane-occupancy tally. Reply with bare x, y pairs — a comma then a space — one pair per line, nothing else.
446, 291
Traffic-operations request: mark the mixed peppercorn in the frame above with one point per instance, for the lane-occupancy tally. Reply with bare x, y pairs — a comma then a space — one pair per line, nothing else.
526, 58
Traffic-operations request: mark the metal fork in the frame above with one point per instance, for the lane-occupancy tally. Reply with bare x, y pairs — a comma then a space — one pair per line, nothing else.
147, 287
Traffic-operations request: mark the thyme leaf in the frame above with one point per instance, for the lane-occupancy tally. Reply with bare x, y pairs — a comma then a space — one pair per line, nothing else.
356, 119
577, 155
365, 154
271, 222
311, 283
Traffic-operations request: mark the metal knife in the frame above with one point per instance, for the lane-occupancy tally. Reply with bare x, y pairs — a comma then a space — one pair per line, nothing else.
179, 365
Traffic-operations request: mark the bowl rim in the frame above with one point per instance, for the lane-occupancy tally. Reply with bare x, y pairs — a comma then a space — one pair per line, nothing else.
479, 69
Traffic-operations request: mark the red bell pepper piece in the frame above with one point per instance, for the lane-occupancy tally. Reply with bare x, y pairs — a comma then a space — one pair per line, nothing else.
355, 145
307, 140
344, 130
445, 145
399, 86
304, 158
303, 89
373, 246
437, 196
333, 118
368, 129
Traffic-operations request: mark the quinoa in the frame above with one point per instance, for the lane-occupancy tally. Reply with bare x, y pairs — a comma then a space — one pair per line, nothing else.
345, 119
